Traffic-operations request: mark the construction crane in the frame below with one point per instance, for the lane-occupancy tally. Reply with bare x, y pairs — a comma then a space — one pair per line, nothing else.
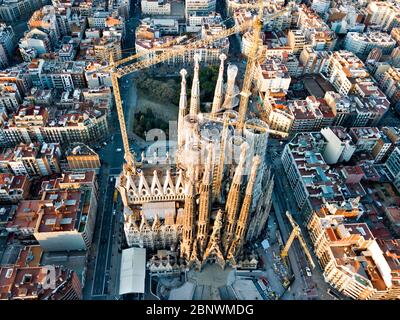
244, 5
138, 55
246, 125
121, 68
251, 62
296, 233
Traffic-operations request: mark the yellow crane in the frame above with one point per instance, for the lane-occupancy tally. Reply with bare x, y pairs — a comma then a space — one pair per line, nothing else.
122, 67
244, 5
246, 125
251, 61
296, 233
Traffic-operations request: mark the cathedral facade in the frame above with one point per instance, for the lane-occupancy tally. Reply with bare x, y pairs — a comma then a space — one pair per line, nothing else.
210, 197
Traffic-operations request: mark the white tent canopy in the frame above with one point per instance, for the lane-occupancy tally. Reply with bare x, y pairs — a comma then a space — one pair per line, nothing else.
133, 271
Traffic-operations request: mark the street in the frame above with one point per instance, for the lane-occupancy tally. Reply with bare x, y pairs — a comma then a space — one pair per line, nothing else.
101, 274
303, 287
105, 254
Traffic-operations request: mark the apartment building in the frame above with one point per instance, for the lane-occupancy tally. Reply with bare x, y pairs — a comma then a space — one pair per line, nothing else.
310, 114
395, 34
272, 76
66, 220
32, 160
316, 32
98, 49
121, 7
63, 75
80, 157
98, 19
45, 19
384, 14
32, 124
382, 148
371, 103
361, 44
343, 69
393, 136
364, 108
14, 10
351, 259
196, 19
13, 188
25, 218
365, 138
199, 6
393, 165
312, 180
339, 145
77, 180
35, 43
313, 61
320, 6
10, 97
7, 45
39, 283
67, 52
278, 116
390, 85
147, 38
95, 77
346, 18
156, 7
18, 75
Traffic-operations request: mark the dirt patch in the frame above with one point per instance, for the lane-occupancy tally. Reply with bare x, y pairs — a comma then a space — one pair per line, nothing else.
166, 111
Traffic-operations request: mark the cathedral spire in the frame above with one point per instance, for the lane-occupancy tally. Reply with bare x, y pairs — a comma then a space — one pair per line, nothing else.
244, 212
220, 165
232, 202
230, 87
195, 93
213, 248
218, 94
182, 107
205, 202
188, 215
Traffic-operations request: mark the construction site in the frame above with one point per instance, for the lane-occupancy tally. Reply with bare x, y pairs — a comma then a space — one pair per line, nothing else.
201, 208
269, 281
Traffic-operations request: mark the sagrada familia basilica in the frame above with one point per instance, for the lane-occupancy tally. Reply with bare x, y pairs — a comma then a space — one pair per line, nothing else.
211, 196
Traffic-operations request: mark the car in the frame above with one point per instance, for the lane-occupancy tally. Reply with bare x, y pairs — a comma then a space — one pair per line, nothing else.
119, 150
104, 143
308, 270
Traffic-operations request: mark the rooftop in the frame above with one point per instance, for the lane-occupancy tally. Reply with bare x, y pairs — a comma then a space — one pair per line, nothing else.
63, 210
33, 283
